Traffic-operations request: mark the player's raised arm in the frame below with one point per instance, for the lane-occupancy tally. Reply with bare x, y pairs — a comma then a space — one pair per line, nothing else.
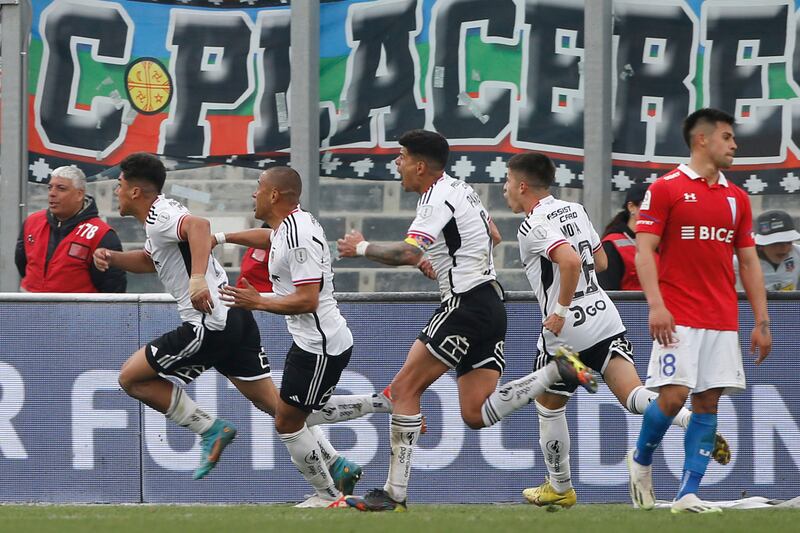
258, 238
399, 253
136, 261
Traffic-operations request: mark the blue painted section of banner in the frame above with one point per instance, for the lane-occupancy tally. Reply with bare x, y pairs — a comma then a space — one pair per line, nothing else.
68, 433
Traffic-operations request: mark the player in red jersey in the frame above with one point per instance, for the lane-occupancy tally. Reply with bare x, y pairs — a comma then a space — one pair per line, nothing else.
697, 219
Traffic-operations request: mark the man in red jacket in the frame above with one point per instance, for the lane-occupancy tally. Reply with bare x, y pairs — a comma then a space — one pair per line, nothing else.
55, 247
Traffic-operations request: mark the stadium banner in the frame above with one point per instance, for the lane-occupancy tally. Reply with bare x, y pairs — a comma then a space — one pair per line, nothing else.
207, 82
68, 433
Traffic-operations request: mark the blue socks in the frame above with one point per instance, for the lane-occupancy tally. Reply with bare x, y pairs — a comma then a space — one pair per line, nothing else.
654, 426
698, 443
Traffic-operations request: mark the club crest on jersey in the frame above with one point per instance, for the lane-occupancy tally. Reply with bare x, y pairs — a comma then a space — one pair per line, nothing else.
789, 264
689, 197
539, 232
425, 211
163, 217
300, 255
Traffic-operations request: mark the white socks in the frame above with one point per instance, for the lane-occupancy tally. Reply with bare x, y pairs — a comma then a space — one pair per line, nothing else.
307, 457
185, 412
640, 398
347, 407
329, 453
555, 444
514, 394
404, 431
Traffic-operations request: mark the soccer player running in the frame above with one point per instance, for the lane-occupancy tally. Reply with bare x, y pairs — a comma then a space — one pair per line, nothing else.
561, 252
302, 283
697, 219
178, 247
467, 331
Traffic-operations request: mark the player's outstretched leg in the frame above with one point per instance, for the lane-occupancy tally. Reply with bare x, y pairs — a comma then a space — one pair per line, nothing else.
212, 442
341, 408
545, 495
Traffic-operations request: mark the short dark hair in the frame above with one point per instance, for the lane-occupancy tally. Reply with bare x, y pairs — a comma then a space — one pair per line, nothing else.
537, 169
706, 115
144, 167
428, 145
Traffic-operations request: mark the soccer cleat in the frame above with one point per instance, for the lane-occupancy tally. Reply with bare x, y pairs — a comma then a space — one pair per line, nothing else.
641, 483
690, 503
722, 451
572, 369
345, 475
315, 502
545, 495
212, 442
376, 500
387, 393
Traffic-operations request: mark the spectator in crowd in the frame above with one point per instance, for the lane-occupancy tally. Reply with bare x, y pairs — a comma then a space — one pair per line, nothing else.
619, 243
779, 255
55, 247
255, 268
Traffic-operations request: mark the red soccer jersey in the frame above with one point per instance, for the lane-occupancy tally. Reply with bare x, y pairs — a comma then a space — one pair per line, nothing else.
700, 226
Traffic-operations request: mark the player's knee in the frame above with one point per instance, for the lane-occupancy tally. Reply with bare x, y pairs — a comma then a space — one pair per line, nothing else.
125, 381
472, 418
671, 404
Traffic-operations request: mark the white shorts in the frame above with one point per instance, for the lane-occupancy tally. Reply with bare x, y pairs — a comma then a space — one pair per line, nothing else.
702, 359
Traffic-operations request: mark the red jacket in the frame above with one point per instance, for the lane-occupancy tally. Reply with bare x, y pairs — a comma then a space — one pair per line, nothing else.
68, 268
626, 248
254, 268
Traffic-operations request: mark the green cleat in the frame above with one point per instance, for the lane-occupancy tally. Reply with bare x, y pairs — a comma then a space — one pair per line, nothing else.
214, 440
345, 475
376, 500
573, 370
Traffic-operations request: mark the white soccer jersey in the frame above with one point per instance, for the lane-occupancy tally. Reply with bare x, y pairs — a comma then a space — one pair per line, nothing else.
299, 255
593, 316
453, 226
173, 262
783, 277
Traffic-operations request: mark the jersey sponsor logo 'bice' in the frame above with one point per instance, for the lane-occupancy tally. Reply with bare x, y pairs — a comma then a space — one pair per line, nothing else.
706, 233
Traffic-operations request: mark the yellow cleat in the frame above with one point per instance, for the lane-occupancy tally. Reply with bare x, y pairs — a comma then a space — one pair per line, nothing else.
722, 451
544, 495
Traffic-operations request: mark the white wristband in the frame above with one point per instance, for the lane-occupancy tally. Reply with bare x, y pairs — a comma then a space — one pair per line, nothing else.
220, 237
560, 310
361, 248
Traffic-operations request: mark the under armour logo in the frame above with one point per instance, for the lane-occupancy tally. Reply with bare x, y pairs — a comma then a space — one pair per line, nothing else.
689, 197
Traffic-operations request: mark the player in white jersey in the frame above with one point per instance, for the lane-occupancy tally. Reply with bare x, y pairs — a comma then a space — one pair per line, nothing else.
178, 247
302, 284
467, 331
561, 251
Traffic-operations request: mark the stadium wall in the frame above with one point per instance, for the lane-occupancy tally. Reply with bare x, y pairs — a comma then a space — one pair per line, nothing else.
68, 433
